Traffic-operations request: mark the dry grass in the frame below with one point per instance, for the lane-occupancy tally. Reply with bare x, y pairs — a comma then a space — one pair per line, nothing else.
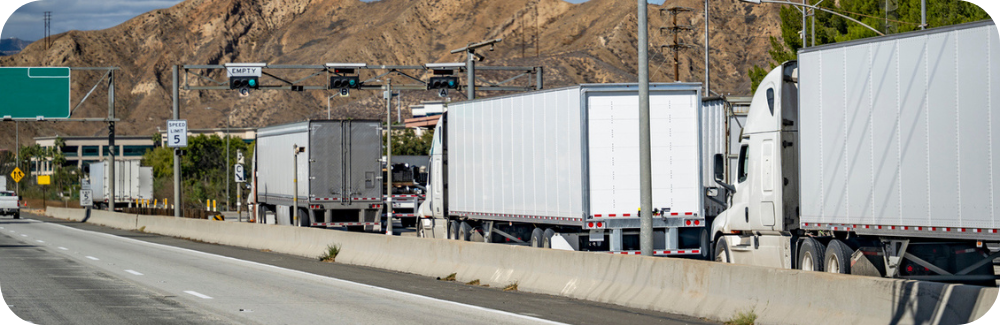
330, 256
450, 277
743, 317
511, 287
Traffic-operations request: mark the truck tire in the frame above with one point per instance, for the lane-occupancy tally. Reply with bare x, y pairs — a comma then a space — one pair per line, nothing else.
722, 251
536, 237
810, 255
464, 231
17, 215
453, 230
547, 238
837, 258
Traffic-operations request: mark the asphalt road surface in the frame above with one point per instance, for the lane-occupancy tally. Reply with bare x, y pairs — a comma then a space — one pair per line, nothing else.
60, 272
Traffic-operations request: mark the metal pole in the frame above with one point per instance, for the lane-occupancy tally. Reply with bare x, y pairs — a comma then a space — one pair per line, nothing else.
17, 155
295, 185
923, 14
645, 169
812, 23
111, 140
470, 74
388, 155
399, 107
805, 5
227, 163
328, 107
538, 78
177, 151
708, 83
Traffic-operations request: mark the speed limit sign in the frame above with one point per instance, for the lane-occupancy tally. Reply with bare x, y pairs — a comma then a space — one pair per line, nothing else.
177, 135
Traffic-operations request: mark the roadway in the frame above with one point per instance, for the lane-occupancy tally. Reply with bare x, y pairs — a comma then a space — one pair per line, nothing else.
60, 272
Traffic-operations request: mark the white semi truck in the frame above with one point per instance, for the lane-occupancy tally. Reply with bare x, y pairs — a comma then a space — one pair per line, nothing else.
338, 181
132, 182
878, 156
559, 168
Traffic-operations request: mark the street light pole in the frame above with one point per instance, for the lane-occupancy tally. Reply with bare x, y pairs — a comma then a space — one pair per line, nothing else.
645, 166
227, 160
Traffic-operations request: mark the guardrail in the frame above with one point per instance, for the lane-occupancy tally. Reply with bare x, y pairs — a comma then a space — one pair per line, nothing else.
698, 288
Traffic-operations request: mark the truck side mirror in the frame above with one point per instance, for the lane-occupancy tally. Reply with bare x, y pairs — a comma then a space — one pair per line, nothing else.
720, 167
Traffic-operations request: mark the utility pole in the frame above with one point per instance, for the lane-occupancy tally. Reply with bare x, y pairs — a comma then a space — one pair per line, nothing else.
708, 88
178, 205
645, 168
388, 156
674, 29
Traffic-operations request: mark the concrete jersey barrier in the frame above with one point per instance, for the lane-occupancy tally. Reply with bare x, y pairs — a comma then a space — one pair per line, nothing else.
698, 288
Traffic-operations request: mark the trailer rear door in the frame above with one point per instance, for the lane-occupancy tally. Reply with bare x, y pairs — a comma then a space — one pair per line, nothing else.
613, 137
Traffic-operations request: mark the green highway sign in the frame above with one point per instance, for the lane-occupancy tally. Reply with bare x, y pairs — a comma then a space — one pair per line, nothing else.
34, 92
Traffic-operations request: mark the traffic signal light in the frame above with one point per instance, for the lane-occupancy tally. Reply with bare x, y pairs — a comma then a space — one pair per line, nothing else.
443, 83
345, 82
243, 82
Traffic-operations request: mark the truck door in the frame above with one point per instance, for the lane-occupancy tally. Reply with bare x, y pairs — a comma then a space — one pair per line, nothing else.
362, 167
325, 168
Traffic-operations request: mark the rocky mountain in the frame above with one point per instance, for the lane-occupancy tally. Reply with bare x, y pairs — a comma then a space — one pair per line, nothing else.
13, 45
592, 42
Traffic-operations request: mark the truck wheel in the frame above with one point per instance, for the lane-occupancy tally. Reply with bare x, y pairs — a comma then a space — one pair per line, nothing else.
722, 251
547, 238
536, 237
464, 231
810, 255
17, 215
838, 257
453, 230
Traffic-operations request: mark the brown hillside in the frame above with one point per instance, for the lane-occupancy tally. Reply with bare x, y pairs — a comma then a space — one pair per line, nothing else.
592, 42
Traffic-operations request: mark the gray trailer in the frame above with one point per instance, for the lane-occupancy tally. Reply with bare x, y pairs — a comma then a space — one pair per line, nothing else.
559, 168
339, 182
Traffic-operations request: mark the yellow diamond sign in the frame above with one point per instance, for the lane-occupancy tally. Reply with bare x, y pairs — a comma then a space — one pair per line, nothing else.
17, 175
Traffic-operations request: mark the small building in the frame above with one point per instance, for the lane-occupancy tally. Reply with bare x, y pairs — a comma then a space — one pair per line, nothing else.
84, 150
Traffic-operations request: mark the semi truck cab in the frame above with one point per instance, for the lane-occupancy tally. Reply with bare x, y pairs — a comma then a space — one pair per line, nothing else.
758, 226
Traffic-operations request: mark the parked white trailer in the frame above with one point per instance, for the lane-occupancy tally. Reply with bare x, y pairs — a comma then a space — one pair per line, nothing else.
875, 156
132, 182
559, 168
339, 182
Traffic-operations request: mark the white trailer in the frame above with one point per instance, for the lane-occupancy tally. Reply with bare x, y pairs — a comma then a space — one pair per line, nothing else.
559, 168
875, 157
338, 180
132, 182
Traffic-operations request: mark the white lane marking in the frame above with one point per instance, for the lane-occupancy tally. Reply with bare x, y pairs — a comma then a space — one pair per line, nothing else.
501, 312
133, 272
93, 258
197, 295
23, 235
63, 248
40, 241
